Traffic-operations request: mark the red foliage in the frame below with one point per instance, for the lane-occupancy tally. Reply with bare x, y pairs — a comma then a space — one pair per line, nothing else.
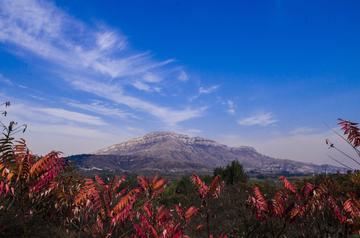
278, 203
19, 169
336, 209
152, 187
352, 207
307, 189
287, 184
297, 211
207, 191
351, 130
202, 187
113, 207
158, 222
289, 204
259, 202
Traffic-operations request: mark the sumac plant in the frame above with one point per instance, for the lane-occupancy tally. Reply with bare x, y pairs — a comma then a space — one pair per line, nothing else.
315, 206
26, 180
351, 135
323, 207
207, 194
109, 208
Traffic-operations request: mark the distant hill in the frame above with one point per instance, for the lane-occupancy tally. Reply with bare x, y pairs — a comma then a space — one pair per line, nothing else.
170, 152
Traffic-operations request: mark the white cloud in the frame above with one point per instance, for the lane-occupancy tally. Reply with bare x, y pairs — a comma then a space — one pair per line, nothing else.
145, 87
102, 109
183, 76
26, 113
110, 40
22, 86
71, 116
64, 130
45, 31
152, 78
115, 94
68, 130
5, 80
208, 90
231, 107
263, 119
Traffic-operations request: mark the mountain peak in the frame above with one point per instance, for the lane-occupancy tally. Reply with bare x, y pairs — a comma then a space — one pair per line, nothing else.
165, 151
156, 138
164, 134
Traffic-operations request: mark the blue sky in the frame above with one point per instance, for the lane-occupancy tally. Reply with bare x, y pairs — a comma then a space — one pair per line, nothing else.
270, 74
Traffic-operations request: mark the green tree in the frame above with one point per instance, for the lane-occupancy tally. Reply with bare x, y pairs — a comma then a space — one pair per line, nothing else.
232, 173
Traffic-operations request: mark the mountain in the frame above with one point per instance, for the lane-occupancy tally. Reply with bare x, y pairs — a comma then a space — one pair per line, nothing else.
170, 152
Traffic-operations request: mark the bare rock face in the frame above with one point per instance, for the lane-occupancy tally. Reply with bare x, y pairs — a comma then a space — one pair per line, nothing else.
171, 152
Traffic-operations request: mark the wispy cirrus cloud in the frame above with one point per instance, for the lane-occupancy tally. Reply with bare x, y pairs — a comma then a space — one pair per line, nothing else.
105, 59
202, 90
231, 107
29, 113
5, 80
50, 128
263, 119
208, 90
102, 109
71, 116
145, 87
110, 40
114, 93
152, 78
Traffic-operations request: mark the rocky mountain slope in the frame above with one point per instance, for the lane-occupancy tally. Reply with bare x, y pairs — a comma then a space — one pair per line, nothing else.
176, 153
